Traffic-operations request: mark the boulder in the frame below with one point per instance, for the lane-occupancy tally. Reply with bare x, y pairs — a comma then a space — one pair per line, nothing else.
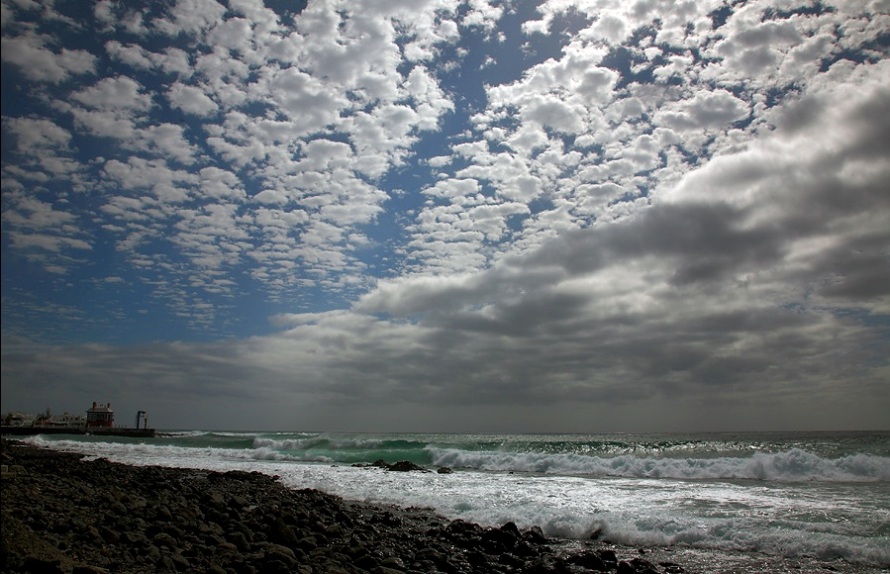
535, 535
405, 466
590, 560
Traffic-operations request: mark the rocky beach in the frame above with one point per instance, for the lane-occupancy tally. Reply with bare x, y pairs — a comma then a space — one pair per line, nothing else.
63, 514
69, 514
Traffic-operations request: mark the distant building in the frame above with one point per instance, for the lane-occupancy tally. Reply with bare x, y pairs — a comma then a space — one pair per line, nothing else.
99, 421
100, 416
66, 420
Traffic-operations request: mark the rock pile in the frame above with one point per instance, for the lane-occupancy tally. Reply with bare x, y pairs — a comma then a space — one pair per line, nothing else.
64, 515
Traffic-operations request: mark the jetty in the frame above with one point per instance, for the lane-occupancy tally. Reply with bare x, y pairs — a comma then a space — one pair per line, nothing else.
99, 420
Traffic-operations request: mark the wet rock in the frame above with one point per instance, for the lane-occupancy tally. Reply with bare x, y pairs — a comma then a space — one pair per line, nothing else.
180, 562
510, 560
535, 535
275, 567
590, 560
546, 566
501, 539
163, 539
393, 562
641, 565
609, 557
42, 566
276, 555
366, 562
405, 466
239, 540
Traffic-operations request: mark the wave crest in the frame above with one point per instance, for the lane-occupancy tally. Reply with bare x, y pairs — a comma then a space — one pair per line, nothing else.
791, 465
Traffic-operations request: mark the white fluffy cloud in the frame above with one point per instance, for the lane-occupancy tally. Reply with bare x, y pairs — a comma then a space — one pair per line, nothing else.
39, 63
705, 110
191, 100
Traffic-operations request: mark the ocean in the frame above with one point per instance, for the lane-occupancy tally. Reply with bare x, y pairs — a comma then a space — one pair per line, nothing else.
805, 499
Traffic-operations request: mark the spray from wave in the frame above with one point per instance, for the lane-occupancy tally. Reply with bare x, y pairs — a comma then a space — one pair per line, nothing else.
792, 465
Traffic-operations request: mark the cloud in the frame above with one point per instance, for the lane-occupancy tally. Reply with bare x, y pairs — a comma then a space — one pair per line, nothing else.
113, 108
191, 100
37, 62
706, 110
44, 233
660, 204
190, 17
134, 56
305, 104
716, 284
34, 135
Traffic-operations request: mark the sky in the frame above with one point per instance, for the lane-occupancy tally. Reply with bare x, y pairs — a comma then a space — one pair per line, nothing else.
442, 215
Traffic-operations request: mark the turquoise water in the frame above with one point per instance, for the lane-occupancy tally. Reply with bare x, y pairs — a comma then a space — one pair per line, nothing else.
820, 495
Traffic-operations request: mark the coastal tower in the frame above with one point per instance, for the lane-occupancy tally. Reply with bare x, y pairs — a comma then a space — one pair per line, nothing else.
100, 416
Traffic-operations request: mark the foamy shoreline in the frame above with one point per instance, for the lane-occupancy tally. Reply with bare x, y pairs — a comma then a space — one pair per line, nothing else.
114, 517
65, 514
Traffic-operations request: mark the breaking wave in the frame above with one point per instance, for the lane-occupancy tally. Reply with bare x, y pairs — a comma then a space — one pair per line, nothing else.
792, 465
825, 499
662, 460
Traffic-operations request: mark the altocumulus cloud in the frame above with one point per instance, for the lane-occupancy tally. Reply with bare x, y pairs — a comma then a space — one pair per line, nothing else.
458, 216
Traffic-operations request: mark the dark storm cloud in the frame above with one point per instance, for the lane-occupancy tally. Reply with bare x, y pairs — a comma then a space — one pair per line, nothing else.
703, 242
711, 287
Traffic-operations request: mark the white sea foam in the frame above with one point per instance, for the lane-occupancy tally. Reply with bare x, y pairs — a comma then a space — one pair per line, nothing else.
184, 433
329, 442
282, 444
744, 534
792, 465
641, 512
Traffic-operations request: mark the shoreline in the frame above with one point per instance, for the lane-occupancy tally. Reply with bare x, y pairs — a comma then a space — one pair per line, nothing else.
20, 431
65, 514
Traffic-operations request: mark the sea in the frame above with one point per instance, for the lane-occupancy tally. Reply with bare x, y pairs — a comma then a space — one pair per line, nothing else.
718, 502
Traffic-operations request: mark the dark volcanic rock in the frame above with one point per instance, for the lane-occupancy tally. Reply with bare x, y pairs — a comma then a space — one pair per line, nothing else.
590, 560
405, 466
